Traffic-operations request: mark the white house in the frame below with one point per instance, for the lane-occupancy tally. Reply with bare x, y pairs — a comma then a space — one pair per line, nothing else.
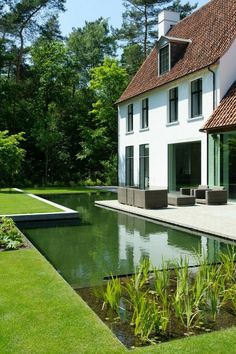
168, 133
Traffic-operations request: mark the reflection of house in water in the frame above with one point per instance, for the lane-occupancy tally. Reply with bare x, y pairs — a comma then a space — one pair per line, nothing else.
139, 238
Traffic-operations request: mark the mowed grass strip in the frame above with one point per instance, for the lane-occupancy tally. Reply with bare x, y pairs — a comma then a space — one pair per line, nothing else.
61, 190
19, 203
40, 312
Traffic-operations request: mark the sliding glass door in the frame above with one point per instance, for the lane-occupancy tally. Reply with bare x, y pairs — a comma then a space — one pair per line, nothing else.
184, 165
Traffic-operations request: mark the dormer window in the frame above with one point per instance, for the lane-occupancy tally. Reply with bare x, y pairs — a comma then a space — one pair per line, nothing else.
170, 51
164, 59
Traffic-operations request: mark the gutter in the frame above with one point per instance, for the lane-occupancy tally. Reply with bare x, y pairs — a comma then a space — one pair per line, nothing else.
119, 101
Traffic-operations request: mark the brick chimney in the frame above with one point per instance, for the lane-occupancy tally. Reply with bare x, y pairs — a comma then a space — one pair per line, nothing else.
166, 19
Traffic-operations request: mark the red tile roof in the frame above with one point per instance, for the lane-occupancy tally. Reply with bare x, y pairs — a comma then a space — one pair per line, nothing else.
211, 29
224, 117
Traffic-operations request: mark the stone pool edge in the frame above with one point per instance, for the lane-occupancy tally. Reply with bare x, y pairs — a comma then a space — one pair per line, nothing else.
174, 220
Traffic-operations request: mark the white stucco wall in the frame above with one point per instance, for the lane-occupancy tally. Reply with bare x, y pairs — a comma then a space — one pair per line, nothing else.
227, 69
160, 134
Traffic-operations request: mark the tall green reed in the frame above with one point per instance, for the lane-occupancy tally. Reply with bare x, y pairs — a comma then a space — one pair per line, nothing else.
112, 294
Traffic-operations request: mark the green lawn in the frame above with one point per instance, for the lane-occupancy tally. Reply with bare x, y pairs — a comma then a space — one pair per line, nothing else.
40, 313
60, 190
19, 203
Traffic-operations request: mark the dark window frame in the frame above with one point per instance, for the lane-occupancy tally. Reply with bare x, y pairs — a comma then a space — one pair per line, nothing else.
145, 114
144, 173
196, 96
129, 166
173, 101
130, 118
164, 59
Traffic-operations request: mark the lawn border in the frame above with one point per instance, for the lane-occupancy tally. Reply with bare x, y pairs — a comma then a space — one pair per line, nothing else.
67, 213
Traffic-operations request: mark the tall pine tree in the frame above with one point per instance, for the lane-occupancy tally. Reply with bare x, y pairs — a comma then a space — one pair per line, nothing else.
140, 20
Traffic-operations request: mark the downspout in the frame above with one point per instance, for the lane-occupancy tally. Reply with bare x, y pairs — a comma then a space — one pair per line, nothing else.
213, 85
214, 106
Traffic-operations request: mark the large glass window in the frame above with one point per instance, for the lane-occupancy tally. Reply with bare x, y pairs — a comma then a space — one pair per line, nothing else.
222, 161
196, 98
130, 118
144, 117
144, 166
129, 166
173, 105
184, 160
164, 60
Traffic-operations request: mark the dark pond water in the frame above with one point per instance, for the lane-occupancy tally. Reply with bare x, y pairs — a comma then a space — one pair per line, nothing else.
105, 242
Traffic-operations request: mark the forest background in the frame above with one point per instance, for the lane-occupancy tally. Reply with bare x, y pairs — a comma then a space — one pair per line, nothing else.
58, 118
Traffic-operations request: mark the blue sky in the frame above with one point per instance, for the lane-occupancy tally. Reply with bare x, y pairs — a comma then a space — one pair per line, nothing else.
79, 11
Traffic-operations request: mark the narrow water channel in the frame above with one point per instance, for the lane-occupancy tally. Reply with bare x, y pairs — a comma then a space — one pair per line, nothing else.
105, 242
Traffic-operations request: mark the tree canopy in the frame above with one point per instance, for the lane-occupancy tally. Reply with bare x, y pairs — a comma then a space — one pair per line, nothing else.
61, 91
11, 157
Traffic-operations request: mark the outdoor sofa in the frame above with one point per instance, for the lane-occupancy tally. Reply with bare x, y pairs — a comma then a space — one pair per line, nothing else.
205, 195
143, 198
213, 197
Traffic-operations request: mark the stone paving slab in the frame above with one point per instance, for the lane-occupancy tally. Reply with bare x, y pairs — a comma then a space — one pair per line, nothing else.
217, 220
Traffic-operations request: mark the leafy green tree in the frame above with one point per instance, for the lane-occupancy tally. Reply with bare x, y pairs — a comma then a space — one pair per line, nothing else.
89, 46
99, 145
53, 76
11, 157
132, 58
50, 31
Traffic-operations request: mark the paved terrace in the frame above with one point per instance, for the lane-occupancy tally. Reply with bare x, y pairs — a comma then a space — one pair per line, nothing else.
217, 220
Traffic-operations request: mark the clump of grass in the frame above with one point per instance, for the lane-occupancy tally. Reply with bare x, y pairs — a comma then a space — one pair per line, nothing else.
10, 236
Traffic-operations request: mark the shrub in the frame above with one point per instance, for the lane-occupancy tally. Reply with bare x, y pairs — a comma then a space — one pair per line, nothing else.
10, 236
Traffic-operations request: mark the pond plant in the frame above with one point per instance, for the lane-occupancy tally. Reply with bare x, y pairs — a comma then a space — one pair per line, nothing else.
159, 302
10, 236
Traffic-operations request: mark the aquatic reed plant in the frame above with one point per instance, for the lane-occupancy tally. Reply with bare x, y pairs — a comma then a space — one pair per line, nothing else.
142, 274
133, 298
112, 294
182, 274
216, 290
147, 318
227, 266
190, 313
161, 282
154, 303
231, 298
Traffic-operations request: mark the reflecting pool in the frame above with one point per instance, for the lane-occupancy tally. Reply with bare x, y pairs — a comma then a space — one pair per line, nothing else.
105, 242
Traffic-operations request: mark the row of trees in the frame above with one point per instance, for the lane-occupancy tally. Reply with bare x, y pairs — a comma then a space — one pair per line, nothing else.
61, 91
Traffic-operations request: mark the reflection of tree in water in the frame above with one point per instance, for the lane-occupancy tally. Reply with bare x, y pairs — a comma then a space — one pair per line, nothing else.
88, 251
